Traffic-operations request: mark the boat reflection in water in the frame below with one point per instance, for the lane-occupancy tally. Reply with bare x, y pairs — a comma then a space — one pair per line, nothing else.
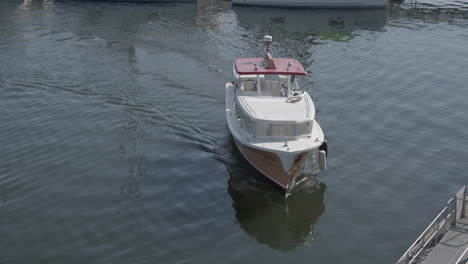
290, 22
209, 7
264, 213
46, 5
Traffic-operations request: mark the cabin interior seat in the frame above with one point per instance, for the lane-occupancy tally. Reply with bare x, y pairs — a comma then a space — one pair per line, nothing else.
272, 88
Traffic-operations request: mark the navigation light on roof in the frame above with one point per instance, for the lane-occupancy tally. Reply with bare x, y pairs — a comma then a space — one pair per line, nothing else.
267, 39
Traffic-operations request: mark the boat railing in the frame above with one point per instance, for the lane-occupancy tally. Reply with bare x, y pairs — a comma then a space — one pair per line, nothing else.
447, 218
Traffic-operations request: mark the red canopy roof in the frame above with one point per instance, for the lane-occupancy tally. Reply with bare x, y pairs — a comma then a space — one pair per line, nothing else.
246, 66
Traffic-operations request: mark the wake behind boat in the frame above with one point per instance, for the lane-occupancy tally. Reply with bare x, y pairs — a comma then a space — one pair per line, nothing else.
272, 118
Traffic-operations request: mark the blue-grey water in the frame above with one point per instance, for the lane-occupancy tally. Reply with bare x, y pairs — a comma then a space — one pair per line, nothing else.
114, 146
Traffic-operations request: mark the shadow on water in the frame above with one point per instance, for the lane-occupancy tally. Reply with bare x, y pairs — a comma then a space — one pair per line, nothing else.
264, 213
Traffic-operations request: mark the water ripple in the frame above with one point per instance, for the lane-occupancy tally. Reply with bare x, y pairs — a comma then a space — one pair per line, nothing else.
115, 147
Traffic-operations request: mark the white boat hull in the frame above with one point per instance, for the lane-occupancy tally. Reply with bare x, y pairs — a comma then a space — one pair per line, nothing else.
315, 3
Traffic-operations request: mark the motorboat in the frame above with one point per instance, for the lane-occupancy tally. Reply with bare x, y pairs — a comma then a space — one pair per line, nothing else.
271, 117
315, 3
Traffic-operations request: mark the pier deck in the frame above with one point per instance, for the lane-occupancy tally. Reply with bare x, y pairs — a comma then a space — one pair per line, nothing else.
445, 240
451, 249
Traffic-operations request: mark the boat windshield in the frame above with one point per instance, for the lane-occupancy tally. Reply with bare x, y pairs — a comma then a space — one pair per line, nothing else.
272, 85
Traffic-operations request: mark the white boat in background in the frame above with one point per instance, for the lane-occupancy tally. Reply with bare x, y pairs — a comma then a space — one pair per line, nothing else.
272, 118
315, 3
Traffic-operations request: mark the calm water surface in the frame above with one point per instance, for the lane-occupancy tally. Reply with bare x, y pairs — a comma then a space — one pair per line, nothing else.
114, 146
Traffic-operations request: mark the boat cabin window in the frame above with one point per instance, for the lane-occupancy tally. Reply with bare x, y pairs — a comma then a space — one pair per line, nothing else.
245, 121
272, 85
289, 130
249, 83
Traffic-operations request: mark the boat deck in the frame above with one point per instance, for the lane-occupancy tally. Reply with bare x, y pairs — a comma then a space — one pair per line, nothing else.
260, 107
278, 144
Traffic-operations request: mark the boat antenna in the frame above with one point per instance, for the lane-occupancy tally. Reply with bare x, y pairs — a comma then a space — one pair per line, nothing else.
267, 39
